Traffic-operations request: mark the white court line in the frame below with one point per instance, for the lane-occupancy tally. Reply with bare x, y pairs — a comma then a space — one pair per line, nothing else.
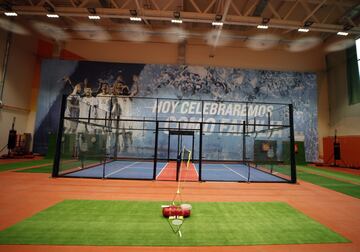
162, 170
235, 172
125, 167
195, 169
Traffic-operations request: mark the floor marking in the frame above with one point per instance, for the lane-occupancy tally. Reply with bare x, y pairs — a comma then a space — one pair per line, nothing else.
162, 170
235, 172
125, 167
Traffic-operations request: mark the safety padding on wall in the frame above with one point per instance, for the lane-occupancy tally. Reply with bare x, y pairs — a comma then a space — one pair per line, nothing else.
349, 151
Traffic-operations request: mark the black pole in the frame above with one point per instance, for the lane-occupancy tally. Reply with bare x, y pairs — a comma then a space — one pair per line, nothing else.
156, 147
292, 145
104, 162
168, 150
247, 117
55, 171
192, 147
117, 137
200, 150
157, 104
244, 142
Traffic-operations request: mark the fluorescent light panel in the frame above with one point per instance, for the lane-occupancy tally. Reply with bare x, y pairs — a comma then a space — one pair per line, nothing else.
177, 21
10, 14
262, 26
342, 33
52, 15
94, 17
216, 23
303, 30
135, 19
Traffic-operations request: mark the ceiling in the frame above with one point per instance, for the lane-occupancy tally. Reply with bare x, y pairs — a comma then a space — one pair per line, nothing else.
240, 18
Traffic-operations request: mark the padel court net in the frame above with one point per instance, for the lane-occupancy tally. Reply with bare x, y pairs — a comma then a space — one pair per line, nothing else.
255, 146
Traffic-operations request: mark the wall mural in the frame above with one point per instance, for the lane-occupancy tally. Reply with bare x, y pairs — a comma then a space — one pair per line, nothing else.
209, 88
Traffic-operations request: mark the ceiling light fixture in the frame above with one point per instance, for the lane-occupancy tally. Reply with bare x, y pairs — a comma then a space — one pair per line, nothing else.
134, 16
176, 21
137, 19
262, 27
341, 33
303, 30
10, 14
263, 24
52, 15
94, 17
215, 23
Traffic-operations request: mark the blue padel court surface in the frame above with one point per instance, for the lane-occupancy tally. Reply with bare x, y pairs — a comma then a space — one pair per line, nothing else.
120, 169
144, 170
235, 172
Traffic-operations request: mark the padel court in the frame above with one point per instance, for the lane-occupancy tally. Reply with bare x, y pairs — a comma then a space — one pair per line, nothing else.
156, 149
168, 171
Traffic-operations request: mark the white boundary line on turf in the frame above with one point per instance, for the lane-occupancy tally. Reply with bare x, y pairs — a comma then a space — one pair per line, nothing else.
121, 169
162, 170
235, 172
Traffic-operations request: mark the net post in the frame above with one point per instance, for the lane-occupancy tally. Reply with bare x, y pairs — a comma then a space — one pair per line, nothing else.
178, 164
155, 149
200, 151
292, 145
55, 171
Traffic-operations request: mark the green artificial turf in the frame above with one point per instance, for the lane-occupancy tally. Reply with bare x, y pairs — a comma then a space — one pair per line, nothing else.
333, 184
303, 173
330, 173
24, 164
89, 222
64, 166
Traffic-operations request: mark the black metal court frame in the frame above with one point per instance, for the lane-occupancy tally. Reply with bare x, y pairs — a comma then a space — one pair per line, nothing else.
158, 127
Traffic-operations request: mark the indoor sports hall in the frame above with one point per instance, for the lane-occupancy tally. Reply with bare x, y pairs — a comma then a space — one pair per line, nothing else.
180, 125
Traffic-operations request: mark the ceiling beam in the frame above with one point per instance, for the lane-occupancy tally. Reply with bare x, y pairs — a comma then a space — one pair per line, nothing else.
272, 9
348, 3
209, 6
328, 14
191, 17
312, 13
73, 3
125, 4
237, 11
155, 4
247, 13
307, 9
83, 3
195, 6
141, 10
114, 4
168, 5
291, 10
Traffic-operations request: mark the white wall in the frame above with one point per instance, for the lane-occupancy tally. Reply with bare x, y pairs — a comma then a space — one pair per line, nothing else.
18, 83
344, 118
